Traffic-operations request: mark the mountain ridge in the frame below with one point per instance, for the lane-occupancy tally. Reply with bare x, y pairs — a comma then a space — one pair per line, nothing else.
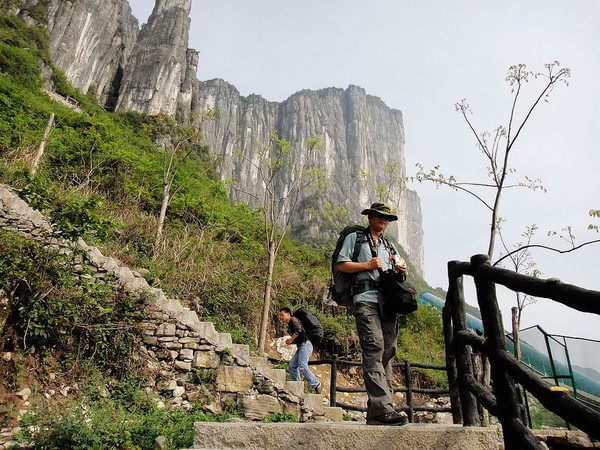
103, 52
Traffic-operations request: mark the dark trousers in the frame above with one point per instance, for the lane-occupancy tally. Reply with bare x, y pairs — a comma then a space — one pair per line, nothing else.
378, 342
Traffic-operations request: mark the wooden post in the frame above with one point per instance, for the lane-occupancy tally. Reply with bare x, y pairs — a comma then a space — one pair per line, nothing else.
451, 364
506, 394
333, 383
409, 401
40, 152
463, 353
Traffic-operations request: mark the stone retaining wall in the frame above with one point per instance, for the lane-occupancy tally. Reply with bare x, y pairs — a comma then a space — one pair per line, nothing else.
192, 361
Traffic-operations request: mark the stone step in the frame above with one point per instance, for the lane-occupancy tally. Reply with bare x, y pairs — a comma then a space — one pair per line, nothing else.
341, 435
241, 351
333, 413
315, 402
279, 376
260, 363
295, 387
222, 340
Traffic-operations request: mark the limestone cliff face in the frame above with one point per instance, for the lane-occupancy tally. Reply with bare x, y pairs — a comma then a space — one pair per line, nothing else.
159, 74
98, 45
358, 132
91, 41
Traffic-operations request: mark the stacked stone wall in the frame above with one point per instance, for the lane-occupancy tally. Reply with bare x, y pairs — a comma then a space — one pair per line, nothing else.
192, 362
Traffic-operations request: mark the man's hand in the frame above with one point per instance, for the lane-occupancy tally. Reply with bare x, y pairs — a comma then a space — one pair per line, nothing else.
290, 340
400, 266
375, 263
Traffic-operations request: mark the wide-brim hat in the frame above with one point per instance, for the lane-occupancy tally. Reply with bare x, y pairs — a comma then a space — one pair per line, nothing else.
380, 209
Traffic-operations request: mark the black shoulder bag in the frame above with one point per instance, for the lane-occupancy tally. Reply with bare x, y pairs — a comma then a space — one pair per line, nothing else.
399, 297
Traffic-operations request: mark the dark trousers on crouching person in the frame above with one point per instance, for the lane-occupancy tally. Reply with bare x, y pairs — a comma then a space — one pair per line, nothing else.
378, 342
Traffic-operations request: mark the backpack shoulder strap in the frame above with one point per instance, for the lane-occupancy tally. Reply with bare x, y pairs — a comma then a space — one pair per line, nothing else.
361, 238
388, 245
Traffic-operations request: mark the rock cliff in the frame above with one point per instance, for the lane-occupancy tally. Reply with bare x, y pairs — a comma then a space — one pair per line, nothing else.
358, 132
157, 75
91, 41
98, 46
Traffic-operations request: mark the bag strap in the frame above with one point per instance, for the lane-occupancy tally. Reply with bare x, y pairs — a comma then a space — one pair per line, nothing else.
360, 235
374, 248
360, 239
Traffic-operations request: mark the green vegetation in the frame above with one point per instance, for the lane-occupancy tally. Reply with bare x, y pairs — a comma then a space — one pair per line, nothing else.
81, 318
101, 178
121, 416
282, 417
421, 339
541, 417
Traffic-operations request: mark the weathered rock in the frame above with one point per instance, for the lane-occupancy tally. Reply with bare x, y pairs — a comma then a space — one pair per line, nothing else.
98, 46
160, 64
234, 379
91, 42
206, 360
257, 406
358, 132
24, 394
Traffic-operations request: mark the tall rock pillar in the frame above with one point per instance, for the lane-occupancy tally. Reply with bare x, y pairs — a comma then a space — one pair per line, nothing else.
90, 41
155, 76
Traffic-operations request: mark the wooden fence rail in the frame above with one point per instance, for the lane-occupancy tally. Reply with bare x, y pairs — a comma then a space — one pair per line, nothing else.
335, 363
467, 393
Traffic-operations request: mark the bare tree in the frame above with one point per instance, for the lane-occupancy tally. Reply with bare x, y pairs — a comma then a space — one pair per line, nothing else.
40, 151
278, 204
499, 145
177, 142
522, 262
497, 148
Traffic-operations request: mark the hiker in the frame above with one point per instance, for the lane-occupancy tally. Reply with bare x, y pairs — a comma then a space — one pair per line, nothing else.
378, 333
299, 362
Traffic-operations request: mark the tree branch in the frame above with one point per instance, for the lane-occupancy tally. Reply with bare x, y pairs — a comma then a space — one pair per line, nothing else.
545, 247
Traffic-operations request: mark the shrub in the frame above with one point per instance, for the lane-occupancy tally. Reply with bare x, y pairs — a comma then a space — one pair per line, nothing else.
52, 309
281, 417
112, 422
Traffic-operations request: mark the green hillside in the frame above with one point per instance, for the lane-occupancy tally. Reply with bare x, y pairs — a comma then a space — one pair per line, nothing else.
101, 178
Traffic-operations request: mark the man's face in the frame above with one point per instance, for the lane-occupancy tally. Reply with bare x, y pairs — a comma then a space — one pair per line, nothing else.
378, 223
284, 316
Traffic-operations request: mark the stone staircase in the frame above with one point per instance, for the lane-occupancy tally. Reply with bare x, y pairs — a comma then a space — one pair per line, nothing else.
345, 435
177, 343
176, 338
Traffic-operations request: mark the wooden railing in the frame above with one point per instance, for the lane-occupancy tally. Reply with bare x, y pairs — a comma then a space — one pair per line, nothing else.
467, 393
406, 367
335, 363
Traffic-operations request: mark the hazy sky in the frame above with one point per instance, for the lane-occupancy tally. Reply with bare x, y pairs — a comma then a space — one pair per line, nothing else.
421, 58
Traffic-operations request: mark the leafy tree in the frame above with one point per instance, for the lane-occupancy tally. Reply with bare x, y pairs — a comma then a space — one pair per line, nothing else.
278, 204
388, 186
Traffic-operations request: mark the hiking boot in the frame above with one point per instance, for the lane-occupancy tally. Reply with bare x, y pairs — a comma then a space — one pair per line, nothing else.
391, 418
319, 388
